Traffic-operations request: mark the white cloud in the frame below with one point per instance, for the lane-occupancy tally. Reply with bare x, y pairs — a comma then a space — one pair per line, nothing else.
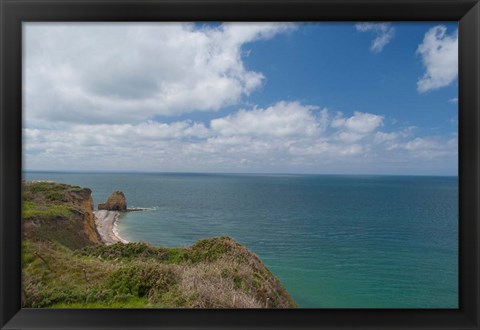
360, 122
382, 137
287, 136
439, 52
453, 100
282, 119
356, 127
384, 33
432, 147
119, 73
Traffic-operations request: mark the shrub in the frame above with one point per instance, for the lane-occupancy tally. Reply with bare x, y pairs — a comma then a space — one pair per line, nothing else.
140, 280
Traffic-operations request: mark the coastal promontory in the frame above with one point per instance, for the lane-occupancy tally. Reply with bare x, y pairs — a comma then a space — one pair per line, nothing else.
66, 264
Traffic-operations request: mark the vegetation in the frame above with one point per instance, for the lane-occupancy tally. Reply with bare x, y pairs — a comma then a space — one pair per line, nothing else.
45, 200
49, 193
57, 213
33, 210
212, 273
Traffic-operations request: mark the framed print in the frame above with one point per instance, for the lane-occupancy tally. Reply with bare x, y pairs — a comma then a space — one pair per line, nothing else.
272, 164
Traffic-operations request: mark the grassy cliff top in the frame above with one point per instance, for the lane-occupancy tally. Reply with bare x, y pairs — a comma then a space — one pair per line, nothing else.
212, 273
59, 213
48, 200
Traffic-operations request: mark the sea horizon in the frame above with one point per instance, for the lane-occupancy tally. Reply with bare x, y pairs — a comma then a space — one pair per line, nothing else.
234, 173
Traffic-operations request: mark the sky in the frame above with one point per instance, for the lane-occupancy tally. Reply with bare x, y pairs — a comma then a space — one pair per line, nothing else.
326, 98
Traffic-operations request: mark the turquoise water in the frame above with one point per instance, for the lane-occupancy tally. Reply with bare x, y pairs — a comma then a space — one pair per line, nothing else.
333, 241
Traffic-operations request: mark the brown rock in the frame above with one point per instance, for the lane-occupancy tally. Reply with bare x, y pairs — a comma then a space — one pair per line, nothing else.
116, 202
89, 218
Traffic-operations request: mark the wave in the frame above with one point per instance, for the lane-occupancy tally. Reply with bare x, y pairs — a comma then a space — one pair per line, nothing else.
153, 208
115, 231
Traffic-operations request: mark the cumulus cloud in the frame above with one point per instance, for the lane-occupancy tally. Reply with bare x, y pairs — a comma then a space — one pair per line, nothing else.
392, 137
360, 122
432, 147
282, 119
286, 136
119, 73
439, 52
384, 33
356, 127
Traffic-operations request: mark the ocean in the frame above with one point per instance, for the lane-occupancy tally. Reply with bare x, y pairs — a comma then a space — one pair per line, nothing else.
334, 241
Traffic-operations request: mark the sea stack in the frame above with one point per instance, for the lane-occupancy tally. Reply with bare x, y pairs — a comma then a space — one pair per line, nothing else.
116, 202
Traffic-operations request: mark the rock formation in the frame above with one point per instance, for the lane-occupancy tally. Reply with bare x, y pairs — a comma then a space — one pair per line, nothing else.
116, 202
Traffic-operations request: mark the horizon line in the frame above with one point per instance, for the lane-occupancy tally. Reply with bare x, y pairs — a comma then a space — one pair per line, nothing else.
226, 173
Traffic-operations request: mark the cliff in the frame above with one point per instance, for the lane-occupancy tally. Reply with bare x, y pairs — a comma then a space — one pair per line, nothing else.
64, 265
89, 219
59, 213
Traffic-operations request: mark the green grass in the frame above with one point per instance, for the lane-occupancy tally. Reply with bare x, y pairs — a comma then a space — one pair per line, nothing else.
202, 251
214, 248
131, 302
32, 210
42, 187
136, 251
50, 192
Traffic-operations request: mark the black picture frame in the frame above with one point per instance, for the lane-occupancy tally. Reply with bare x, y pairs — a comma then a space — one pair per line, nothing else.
14, 12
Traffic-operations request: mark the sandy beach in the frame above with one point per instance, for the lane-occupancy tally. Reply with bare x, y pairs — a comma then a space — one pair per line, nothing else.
105, 222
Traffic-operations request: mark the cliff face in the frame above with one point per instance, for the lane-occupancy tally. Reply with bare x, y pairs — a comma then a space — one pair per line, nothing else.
89, 219
64, 265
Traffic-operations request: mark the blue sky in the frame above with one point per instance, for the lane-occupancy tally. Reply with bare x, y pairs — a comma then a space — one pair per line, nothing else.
358, 98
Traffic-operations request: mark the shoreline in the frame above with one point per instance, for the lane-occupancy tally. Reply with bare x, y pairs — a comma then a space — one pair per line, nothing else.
106, 224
